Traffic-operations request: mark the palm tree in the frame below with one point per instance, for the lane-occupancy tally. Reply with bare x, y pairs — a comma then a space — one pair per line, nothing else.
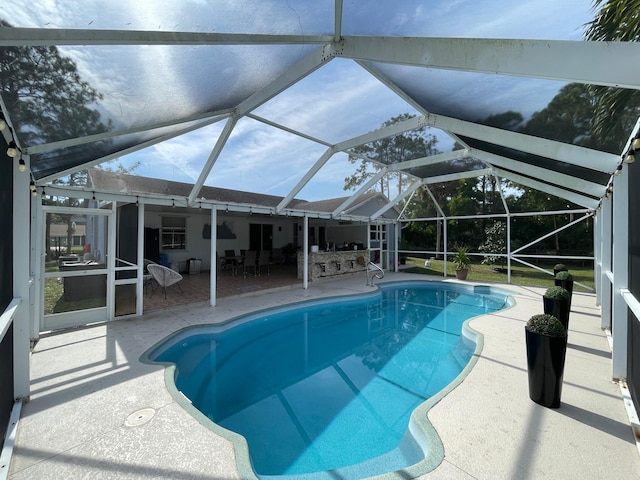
617, 109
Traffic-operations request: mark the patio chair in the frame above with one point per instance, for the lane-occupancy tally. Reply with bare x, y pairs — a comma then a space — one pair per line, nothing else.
276, 257
230, 256
164, 276
264, 261
249, 262
147, 279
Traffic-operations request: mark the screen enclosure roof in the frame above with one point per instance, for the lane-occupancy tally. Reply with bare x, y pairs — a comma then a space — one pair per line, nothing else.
274, 96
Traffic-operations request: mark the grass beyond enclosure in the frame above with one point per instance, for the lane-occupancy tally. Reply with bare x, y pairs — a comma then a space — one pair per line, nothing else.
520, 274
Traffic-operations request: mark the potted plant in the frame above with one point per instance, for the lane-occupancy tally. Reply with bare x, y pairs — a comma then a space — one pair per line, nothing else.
559, 267
565, 280
462, 263
546, 341
556, 302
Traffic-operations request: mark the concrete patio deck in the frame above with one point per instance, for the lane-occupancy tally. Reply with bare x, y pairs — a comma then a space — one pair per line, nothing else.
97, 412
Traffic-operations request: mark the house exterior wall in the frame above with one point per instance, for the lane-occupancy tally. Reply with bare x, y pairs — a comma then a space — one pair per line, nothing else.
200, 248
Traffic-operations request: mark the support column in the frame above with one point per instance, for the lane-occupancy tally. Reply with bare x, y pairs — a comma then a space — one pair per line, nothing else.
140, 256
213, 270
305, 254
508, 248
604, 281
397, 228
620, 274
597, 253
111, 261
38, 257
445, 224
21, 322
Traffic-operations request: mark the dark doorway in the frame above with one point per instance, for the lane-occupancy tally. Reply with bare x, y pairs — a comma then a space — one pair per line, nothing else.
152, 244
260, 236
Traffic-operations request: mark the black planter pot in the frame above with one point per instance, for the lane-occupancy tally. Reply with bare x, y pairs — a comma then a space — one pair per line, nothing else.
568, 286
559, 308
545, 365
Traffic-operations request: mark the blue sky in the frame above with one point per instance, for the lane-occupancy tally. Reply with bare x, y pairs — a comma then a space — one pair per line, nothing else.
337, 102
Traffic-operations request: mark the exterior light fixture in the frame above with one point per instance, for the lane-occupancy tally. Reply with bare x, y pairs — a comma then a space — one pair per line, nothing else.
618, 170
630, 157
635, 144
3, 124
12, 151
32, 186
21, 165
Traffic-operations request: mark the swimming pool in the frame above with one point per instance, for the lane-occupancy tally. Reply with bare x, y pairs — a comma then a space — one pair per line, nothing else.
332, 385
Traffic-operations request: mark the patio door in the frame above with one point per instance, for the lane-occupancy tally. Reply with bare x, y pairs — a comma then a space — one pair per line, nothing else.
75, 281
260, 236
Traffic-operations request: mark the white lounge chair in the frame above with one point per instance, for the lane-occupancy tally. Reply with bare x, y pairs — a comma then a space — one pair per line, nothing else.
164, 276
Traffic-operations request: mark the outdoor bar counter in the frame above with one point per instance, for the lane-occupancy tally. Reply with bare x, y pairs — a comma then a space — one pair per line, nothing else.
331, 264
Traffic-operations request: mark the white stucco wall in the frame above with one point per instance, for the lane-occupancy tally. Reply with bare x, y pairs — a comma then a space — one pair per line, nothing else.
199, 247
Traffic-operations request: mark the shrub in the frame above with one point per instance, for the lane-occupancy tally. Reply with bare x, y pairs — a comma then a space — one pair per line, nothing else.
545, 324
461, 259
564, 275
560, 267
557, 292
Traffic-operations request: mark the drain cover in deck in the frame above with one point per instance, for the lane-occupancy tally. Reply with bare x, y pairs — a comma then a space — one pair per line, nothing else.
140, 417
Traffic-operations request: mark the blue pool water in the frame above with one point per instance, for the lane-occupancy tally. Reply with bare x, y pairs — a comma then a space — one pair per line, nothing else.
330, 385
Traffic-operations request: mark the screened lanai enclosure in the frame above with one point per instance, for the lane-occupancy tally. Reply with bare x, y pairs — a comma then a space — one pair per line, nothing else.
289, 113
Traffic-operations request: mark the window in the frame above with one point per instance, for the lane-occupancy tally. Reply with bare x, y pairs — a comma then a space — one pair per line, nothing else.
378, 232
174, 233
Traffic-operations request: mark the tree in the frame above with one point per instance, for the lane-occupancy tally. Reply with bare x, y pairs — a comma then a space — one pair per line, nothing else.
387, 151
495, 241
44, 94
567, 118
48, 101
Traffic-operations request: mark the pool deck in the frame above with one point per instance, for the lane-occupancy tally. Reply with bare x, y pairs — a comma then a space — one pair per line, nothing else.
97, 412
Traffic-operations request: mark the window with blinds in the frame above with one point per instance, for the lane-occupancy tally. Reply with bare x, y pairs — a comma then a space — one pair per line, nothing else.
174, 233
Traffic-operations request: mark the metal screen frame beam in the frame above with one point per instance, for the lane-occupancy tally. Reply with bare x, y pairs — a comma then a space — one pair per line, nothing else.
609, 62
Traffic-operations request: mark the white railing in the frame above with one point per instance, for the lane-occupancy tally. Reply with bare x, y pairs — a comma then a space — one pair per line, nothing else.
7, 317
376, 272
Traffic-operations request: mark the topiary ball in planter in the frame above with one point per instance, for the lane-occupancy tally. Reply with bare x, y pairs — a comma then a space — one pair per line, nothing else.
564, 275
546, 325
559, 267
556, 292
555, 302
565, 280
546, 341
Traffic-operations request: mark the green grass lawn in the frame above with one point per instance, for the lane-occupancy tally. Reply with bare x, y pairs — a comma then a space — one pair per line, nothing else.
520, 274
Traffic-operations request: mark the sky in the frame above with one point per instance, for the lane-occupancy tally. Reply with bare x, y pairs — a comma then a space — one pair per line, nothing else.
339, 101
